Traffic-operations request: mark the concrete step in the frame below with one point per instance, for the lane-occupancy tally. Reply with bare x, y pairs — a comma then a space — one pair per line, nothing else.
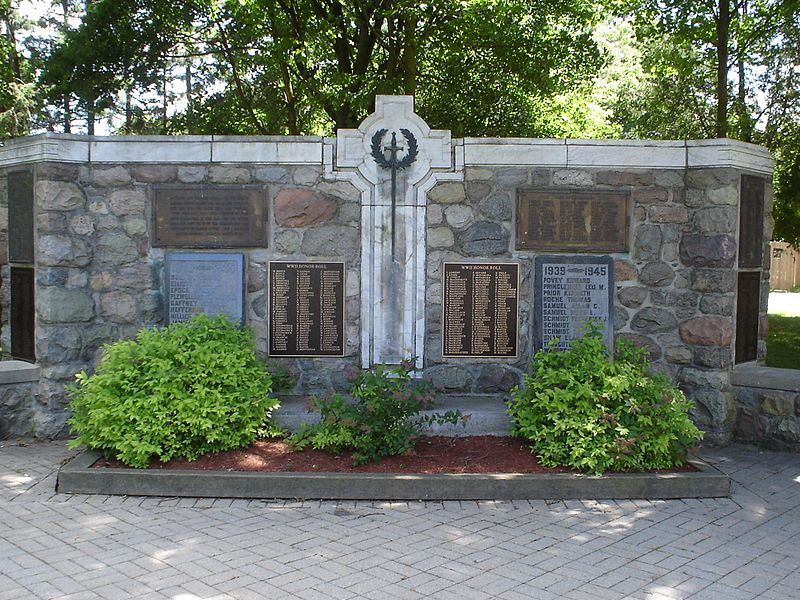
486, 414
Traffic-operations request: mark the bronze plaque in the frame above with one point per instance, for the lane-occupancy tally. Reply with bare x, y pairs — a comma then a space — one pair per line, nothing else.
747, 307
751, 222
306, 308
209, 216
562, 221
22, 318
480, 309
20, 217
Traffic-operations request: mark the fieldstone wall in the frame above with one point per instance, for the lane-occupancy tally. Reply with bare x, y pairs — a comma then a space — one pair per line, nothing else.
20, 406
18, 410
767, 405
98, 279
675, 287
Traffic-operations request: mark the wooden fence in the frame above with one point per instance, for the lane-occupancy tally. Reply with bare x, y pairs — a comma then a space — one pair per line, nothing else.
785, 267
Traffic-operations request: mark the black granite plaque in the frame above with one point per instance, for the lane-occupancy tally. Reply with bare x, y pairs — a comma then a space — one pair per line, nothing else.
22, 316
209, 217
588, 221
569, 291
204, 282
20, 217
480, 309
306, 308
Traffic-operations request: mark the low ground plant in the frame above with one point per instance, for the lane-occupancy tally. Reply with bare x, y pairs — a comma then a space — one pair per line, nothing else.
177, 392
580, 409
382, 419
783, 341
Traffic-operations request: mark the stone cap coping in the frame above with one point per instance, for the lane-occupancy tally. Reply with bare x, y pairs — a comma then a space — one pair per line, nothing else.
71, 148
753, 375
618, 154
308, 150
18, 371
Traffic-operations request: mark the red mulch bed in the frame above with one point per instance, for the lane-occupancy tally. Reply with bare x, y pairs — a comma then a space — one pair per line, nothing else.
475, 454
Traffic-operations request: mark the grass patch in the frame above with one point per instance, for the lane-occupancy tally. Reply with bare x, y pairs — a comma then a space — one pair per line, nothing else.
783, 342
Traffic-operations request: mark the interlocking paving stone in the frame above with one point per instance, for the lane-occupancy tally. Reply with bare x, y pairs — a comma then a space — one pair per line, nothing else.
88, 547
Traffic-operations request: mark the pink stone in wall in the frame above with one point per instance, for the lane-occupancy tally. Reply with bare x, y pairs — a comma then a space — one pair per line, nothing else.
707, 331
624, 271
650, 195
301, 208
668, 214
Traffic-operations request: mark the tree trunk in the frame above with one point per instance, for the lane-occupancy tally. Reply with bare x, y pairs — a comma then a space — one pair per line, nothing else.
723, 23
128, 112
292, 120
292, 116
344, 116
189, 99
241, 93
393, 49
66, 100
164, 101
410, 57
90, 117
13, 57
89, 102
745, 122
67, 115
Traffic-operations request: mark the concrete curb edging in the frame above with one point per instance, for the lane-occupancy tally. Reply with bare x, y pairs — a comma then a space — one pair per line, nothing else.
77, 477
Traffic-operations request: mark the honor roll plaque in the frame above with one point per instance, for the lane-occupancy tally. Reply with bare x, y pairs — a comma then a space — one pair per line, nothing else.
306, 308
480, 315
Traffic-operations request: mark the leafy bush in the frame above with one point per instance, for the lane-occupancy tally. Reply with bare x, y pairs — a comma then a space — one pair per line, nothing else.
580, 409
383, 421
282, 378
177, 392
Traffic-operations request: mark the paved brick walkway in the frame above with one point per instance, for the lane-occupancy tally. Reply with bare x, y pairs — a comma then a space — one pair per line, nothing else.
85, 547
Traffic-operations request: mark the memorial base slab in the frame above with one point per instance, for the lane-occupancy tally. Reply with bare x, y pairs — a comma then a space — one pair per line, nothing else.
78, 477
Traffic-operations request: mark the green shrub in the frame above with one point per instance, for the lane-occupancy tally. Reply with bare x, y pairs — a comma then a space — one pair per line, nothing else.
177, 392
582, 410
383, 421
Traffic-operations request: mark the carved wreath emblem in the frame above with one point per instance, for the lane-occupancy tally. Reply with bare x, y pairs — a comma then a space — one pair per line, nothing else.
380, 157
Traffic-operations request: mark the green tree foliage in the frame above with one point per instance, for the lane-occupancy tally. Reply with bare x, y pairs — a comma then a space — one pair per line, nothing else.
305, 66
786, 208
17, 92
506, 66
717, 68
663, 69
780, 80
116, 47
671, 97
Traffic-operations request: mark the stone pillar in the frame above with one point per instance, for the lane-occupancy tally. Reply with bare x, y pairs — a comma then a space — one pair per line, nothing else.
709, 251
18, 410
393, 224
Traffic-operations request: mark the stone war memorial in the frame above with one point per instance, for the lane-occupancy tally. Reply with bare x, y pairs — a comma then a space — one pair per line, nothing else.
387, 242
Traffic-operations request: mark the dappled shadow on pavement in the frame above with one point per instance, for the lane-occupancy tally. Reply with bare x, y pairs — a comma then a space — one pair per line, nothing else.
72, 546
